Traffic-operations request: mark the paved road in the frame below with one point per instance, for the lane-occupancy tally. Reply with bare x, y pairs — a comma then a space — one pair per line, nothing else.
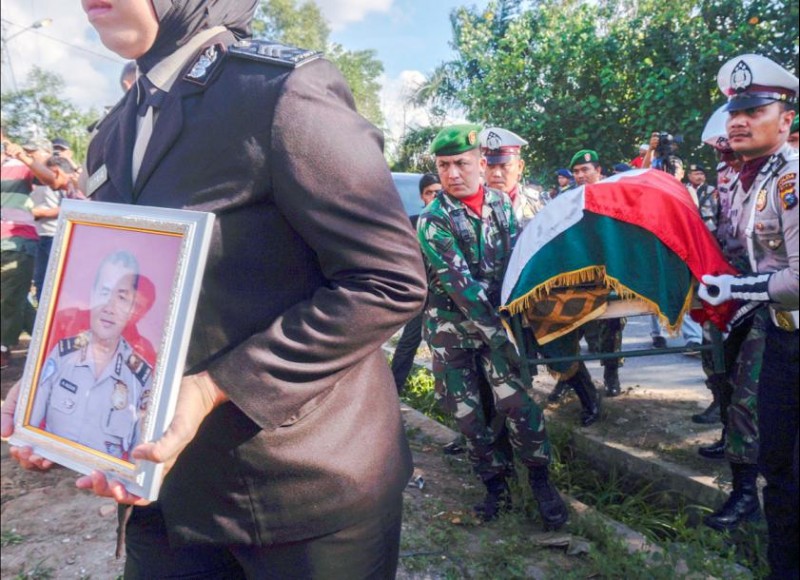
675, 375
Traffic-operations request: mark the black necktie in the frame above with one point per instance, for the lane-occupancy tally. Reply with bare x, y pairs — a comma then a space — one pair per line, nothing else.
149, 95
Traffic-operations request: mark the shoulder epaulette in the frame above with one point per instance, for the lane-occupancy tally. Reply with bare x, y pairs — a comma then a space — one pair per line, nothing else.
273, 52
140, 368
72, 343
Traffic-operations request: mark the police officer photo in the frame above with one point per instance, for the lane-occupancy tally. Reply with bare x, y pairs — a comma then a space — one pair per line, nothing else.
762, 98
93, 386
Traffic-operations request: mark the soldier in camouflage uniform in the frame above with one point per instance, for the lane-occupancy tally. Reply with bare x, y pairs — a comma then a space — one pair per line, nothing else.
764, 220
466, 235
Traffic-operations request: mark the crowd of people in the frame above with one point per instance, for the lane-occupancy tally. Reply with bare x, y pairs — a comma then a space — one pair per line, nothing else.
287, 455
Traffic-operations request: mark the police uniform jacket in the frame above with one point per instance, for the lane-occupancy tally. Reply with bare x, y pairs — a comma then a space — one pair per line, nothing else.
99, 411
765, 221
312, 266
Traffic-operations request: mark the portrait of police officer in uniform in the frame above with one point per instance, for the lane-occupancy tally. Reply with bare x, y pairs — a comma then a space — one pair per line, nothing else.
93, 387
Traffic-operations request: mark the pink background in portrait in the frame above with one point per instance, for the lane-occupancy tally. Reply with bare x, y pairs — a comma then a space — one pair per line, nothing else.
156, 253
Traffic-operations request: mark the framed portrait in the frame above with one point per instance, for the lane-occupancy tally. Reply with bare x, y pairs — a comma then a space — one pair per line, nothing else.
111, 336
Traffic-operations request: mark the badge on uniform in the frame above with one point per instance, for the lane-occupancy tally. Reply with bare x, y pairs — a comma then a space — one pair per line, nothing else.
204, 66
119, 396
787, 191
96, 179
761, 200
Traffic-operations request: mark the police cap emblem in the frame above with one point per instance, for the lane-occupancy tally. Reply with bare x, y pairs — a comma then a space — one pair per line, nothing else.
741, 77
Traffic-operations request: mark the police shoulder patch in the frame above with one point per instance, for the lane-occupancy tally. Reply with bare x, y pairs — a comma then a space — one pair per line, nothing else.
273, 52
140, 368
787, 190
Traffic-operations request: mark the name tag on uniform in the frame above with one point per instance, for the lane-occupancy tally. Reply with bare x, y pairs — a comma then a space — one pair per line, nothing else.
71, 387
96, 179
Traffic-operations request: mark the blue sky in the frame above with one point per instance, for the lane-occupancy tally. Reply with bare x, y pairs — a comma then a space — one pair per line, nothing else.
411, 37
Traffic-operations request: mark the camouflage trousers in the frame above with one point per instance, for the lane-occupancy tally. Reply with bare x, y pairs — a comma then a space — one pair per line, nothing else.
605, 336
458, 373
738, 386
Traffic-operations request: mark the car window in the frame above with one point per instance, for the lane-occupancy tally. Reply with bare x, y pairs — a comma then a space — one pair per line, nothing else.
408, 186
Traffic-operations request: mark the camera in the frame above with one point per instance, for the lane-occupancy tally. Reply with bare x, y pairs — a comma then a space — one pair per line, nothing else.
665, 157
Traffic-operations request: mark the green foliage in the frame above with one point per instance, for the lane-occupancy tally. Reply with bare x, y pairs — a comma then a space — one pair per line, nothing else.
569, 75
10, 538
419, 393
40, 108
303, 24
412, 151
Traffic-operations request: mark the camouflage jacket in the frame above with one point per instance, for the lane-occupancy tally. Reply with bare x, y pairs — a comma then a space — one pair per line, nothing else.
466, 257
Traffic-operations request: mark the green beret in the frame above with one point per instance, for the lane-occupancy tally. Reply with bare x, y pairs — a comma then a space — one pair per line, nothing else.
795, 123
456, 139
584, 156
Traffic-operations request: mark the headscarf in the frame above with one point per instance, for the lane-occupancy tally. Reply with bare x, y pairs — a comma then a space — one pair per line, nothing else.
180, 20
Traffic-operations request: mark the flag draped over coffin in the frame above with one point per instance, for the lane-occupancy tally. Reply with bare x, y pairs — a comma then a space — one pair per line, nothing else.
637, 234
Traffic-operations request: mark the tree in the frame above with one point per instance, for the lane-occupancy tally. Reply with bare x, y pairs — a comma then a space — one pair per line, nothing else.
296, 24
568, 75
39, 109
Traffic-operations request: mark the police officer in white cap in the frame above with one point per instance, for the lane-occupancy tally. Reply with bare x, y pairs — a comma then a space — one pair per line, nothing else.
764, 218
502, 150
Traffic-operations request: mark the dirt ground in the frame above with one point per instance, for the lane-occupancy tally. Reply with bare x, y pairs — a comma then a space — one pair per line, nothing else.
52, 530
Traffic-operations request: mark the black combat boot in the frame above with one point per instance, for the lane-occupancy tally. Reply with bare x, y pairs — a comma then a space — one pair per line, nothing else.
552, 508
611, 378
587, 394
558, 392
711, 414
497, 500
742, 505
717, 449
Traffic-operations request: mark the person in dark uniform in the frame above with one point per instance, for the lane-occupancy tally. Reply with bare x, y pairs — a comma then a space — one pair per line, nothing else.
287, 455
410, 339
94, 386
762, 97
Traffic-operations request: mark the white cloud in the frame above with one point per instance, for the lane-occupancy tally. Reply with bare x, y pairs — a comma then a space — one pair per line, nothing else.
68, 47
399, 114
339, 13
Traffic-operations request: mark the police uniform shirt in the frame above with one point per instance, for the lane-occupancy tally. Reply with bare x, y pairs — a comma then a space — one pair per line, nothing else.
733, 249
101, 413
765, 220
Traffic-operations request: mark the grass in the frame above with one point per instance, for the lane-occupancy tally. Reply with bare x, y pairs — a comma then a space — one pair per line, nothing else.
38, 572
664, 519
10, 538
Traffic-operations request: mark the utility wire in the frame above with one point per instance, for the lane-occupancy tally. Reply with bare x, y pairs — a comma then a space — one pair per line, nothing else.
75, 46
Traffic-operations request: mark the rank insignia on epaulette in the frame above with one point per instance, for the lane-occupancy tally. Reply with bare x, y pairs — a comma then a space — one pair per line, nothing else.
71, 344
139, 367
205, 64
273, 52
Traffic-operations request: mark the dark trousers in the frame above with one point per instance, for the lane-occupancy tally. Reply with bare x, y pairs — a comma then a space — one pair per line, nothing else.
40, 265
17, 272
777, 411
367, 550
407, 346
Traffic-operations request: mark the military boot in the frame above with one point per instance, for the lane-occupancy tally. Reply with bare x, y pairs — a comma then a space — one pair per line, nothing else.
558, 392
711, 414
717, 449
552, 508
611, 379
497, 500
587, 394
742, 504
